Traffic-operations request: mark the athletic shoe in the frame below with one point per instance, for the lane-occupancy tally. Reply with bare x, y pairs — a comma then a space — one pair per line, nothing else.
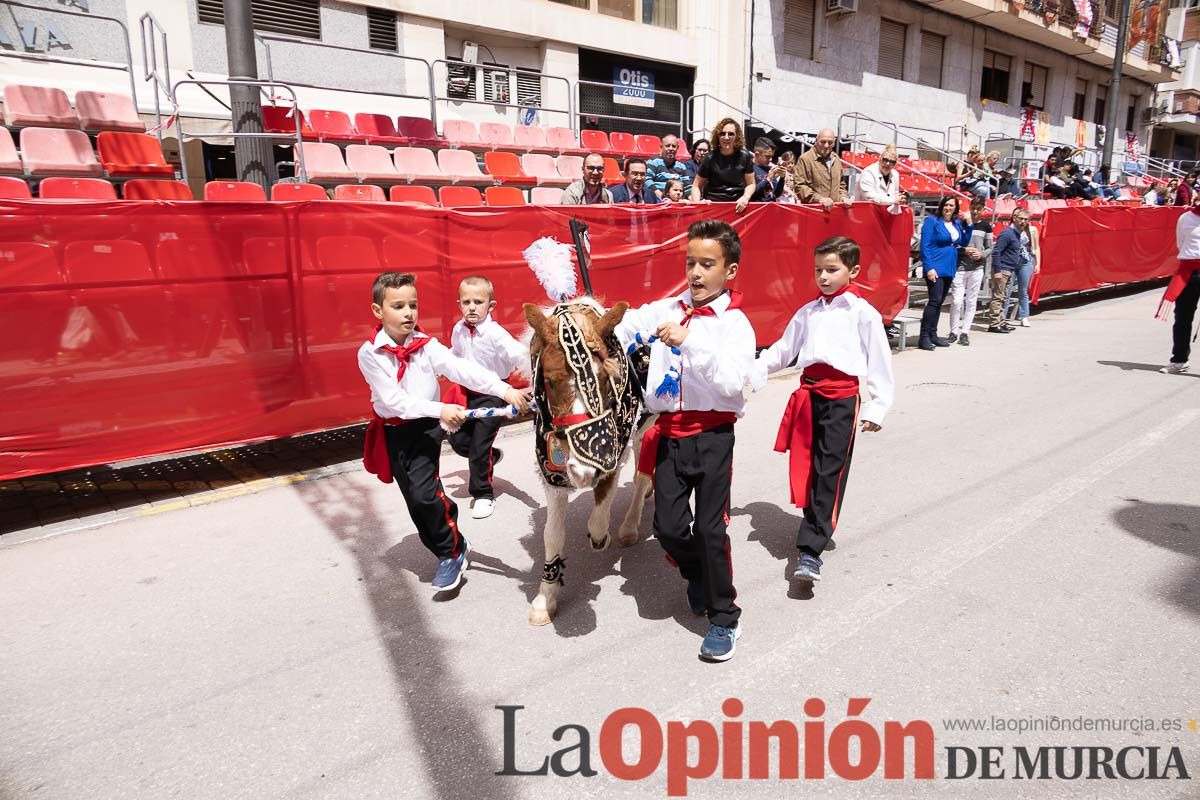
497, 456
1025, 322
808, 568
695, 598
964, 340
1175, 368
719, 643
482, 507
1000, 329
952, 338
450, 570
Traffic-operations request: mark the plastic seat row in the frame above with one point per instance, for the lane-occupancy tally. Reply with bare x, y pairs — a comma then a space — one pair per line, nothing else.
323, 163
58, 151
49, 107
64, 188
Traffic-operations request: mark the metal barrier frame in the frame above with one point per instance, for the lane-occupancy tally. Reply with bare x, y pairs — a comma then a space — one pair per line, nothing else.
78, 62
303, 174
150, 67
578, 105
437, 98
694, 130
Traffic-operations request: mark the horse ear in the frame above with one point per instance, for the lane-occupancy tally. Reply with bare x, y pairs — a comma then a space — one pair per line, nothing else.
611, 319
535, 318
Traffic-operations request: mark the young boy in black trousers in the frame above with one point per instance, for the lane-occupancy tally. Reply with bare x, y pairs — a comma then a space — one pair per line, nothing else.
401, 364
837, 340
697, 394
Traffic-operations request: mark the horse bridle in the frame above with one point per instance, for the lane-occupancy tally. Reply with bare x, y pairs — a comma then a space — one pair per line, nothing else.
579, 359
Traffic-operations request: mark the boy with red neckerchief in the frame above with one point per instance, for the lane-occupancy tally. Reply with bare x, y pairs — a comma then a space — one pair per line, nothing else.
401, 364
699, 364
1183, 291
837, 340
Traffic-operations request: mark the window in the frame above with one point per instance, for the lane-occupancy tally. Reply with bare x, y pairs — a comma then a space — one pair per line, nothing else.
994, 85
625, 9
1033, 88
1131, 113
663, 13
294, 17
798, 26
1110, 9
891, 49
933, 46
529, 89
381, 30
1080, 98
1101, 102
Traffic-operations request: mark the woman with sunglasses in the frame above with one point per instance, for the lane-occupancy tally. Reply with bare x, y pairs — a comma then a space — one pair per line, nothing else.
943, 235
727, 174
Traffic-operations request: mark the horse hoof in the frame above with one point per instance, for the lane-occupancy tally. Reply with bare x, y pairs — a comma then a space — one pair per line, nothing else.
602, 545
539, 617
627, 538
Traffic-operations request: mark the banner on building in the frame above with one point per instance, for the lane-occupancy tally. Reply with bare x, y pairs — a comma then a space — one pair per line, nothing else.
1080, 133
1028, 124
633, 87
1083, 11
1133, 148
1043, 127
1144, 21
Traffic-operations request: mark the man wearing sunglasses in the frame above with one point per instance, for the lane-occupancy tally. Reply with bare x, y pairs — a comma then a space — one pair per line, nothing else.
590, 190
880, 183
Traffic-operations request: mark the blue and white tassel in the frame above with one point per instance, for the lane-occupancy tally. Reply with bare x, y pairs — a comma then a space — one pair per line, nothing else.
503, 412
674, 368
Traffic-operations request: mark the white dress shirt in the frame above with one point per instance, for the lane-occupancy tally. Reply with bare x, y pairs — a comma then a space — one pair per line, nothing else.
1187, 235
871, 187
848, 335
417, 394
717, 356
492, 347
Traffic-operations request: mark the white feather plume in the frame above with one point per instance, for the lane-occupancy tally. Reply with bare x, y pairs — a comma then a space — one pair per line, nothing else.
550, 261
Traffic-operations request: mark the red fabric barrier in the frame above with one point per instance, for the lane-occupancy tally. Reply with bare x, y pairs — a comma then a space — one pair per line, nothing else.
142, 328
1093, 246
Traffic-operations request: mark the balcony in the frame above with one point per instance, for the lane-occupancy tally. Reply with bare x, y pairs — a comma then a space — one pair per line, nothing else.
1052, 24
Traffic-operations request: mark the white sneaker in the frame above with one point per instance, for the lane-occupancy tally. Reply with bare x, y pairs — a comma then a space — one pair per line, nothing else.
1175, 369
482, 508
1025, 323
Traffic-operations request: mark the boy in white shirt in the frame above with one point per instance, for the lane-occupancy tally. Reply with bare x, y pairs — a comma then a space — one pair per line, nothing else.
483, 341
836, 340
404, 440
698, 366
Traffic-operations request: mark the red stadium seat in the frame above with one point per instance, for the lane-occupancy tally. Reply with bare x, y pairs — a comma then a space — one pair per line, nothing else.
595, 142
332, 126
496, 135
419, 132
362, 193
504, 196
530, 137
417, 164
545, 196
506, 168
298, 191
623, 143
335, 252
156, 190
413, 194
612, 172
38, 106
10, 162
460, 166
682, 153
462, 133
76, 189
107, 260
131, 154
103, 111
541, 167
649, 146
460, 196
378, 129
570, 167
372, 162
14, 188
280, 119
323, 162
52, 151
234, 190
28, 264
564, 140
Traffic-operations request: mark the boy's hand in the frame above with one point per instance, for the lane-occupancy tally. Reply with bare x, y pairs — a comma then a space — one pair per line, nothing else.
869, 427
671, 334
453, 415
519, 399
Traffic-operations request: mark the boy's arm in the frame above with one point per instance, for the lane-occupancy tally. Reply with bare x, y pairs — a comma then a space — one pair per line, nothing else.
516, 354
643, 319
881, 385
390, 393
724, 358
465, 373
780, 354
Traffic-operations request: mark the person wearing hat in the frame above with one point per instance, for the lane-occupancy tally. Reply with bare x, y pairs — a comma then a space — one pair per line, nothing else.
1007, 185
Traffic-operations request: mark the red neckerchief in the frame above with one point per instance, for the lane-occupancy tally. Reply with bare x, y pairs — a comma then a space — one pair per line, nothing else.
828, 298
471, 326
796, 427
735, 301
403, 353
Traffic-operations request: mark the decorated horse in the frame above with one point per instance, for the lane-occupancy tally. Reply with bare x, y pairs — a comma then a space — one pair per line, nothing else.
587, 404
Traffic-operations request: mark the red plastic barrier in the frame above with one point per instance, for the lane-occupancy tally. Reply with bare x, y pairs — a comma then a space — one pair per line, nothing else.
1093, 246
135, 329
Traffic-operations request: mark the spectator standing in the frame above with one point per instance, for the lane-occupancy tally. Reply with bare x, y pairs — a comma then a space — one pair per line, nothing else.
635, 190
1006, 257
1028, 265
787, 160
666, 167
819, 173
768, 176
1184, 190
973, 261
589, 190
942, 236
727, 172
879, 183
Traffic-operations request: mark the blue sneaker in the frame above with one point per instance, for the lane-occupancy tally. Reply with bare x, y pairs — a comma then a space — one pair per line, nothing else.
719, 643
695, 598
450, 570
808, 568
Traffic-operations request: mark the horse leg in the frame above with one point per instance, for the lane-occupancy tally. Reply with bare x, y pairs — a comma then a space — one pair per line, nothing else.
554, 537
642, 489
603, 495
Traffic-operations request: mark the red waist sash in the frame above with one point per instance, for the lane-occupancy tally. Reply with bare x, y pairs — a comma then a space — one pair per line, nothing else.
375, 449
678, 425
796, 427
1179, 280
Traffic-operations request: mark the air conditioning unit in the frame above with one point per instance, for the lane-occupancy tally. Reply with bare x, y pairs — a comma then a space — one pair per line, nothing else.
836, 7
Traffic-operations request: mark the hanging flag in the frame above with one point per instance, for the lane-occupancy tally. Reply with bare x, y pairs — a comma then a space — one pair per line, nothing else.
1080, 133
1028, 124
1132, 148
1083, 12
1043, 127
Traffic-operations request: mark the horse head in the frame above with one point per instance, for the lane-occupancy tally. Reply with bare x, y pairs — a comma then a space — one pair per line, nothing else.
579, 371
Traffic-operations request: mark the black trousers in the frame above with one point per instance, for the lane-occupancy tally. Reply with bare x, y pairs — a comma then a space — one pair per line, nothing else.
473, 441
415, 448
1185, 312
702, 464
834, 425
933, 305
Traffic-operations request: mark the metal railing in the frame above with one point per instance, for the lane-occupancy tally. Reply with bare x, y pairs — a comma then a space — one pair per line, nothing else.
153, 71
79, 62
262, 85
896, 130
698, 124
675, 122
966, 138
511, 88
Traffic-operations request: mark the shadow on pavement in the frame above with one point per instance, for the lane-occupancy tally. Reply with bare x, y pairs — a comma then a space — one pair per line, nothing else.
775, 529
1175, 527
1130, 366
448, 733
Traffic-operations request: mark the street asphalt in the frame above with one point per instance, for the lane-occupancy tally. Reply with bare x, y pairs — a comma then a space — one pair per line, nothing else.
1021, 542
